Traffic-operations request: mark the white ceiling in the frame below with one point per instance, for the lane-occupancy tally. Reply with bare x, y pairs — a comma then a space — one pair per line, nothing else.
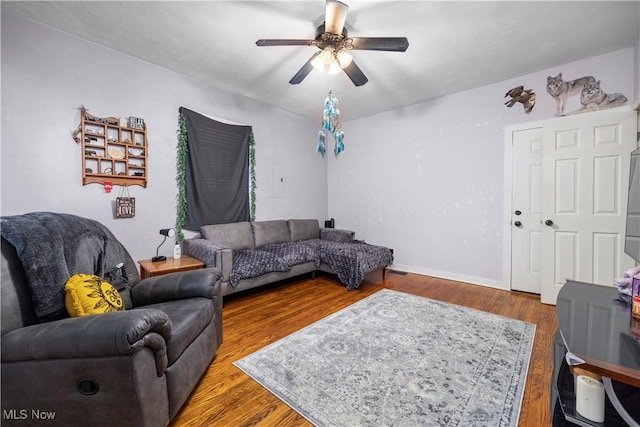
453, 45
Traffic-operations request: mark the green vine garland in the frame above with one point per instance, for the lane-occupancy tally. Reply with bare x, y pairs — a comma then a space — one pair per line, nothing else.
180, 177
252, 175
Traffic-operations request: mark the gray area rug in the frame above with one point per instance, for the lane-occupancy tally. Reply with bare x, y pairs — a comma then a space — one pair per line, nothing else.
395, 359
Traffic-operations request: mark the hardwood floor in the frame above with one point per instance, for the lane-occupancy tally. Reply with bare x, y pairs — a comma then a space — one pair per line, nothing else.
225, 396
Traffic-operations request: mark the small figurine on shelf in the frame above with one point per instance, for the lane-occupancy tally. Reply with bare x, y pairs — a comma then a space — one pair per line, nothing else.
136, 123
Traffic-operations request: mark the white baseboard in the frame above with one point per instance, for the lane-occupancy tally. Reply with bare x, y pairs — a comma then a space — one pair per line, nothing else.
452, 276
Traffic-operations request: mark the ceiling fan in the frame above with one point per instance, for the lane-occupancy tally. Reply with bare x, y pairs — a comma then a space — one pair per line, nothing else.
332, 39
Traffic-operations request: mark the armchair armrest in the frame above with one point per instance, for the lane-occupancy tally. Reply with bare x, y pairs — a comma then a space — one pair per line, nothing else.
105, 334
337, 235
211, 254
181, 285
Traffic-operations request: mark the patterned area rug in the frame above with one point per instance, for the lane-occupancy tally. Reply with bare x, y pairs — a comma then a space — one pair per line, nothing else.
394, 359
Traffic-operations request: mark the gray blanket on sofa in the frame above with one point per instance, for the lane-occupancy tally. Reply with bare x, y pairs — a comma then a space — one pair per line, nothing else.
52, 247
349, 260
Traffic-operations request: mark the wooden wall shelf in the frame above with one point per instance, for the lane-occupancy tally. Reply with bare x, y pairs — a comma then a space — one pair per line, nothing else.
111, 152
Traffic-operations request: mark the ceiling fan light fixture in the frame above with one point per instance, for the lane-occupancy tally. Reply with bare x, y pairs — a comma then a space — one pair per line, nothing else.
333, 45
327, 55
334, 67
317, 63
344, 58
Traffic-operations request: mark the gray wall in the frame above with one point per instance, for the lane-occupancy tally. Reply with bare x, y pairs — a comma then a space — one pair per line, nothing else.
428, 179
47, 74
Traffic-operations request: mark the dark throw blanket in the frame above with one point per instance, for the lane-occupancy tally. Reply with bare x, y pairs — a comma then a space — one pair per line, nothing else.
293, 253
52, 247
248, 263
351, 260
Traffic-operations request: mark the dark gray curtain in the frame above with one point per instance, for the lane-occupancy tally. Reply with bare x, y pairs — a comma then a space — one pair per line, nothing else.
217, 171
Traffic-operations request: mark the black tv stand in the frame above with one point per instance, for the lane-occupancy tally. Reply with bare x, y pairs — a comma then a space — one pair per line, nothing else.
595, 326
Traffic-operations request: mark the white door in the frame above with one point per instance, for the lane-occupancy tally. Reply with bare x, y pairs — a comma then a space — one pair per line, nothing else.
526, 255
585, 161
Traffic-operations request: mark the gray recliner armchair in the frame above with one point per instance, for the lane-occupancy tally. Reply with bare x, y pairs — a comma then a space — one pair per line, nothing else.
128, 368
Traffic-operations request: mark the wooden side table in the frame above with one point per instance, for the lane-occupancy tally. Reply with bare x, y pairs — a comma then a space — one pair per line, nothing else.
170, 265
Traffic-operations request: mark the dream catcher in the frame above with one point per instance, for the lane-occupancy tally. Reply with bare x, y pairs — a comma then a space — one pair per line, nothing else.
330, 126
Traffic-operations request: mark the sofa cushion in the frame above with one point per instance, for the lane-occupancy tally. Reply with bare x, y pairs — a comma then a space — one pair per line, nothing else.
236, 235
188, 317
303, 229
337, 235
268, 232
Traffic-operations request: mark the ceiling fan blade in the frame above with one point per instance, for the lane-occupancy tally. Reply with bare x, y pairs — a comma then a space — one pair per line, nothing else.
283, 42
335, 16
355, 74
302, 72
395, 44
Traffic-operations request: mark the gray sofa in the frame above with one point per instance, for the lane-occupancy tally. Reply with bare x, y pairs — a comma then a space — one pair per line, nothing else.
252, 254
128, 368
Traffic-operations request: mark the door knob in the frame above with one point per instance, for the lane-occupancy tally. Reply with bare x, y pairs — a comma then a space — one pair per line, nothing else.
517, 223
518, 212
548, 222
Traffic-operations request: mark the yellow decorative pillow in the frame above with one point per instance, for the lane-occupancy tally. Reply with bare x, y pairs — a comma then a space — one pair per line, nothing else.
87, 294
